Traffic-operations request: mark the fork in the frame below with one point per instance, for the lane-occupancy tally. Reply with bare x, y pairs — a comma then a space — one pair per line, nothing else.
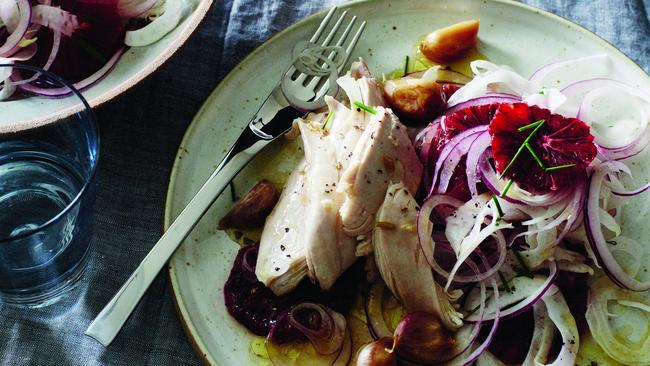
301, 89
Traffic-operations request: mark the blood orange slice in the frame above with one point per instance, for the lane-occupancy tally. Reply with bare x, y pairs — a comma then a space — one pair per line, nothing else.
560, 141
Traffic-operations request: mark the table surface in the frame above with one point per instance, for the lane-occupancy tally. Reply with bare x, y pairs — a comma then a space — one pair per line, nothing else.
140, 133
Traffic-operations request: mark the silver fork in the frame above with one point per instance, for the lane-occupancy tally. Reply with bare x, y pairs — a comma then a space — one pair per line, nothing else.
299, 91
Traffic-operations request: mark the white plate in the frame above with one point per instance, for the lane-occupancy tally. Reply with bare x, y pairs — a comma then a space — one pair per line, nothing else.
511, 33
136, 64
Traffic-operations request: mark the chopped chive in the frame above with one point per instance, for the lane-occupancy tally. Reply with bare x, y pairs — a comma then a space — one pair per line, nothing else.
506, 189
531, 125
503, 280
327, 120
365, 107
521, 261
406, 65
553, 168
521, 148
537, 159
498, 205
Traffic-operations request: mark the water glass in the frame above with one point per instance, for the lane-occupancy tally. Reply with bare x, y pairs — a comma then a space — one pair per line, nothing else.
47, 190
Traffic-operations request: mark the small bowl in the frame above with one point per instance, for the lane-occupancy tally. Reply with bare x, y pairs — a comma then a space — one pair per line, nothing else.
136, 64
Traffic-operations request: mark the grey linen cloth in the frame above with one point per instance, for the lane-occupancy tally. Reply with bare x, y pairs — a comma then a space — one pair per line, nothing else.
140, 133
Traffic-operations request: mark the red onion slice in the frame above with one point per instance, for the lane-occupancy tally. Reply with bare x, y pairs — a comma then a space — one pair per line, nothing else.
329, 335
561, 73
628, 151
632, 193
576, 92
11, 44
450, 147
616, 116
475, 152
92, 79
326, 330
515, 195
454, 158
478, 351
527, 301
488, 98
595, 235
374, 312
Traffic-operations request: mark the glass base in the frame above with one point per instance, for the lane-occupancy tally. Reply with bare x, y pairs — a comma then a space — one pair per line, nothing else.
49, 293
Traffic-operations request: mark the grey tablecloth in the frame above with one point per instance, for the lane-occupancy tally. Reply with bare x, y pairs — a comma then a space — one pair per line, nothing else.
140, 133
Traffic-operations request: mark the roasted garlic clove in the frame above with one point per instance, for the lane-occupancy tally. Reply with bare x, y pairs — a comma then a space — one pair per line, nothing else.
450, 43
421, 337
251, 211
413, 98
377, 353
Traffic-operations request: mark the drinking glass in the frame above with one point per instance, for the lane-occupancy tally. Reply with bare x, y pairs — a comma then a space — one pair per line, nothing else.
47, 189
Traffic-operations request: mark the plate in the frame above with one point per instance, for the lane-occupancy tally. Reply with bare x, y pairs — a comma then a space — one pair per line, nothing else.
136, 64
511, 33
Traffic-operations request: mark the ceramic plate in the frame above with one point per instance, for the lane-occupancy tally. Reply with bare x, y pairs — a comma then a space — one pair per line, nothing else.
511, 33
136, 64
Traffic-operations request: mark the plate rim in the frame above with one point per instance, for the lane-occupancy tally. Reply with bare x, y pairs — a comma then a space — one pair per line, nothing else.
200, 348
194, 20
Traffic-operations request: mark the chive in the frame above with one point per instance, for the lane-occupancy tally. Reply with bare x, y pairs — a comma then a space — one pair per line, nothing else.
521, 261
521, 148
537, 159
406, 65
531, 125
327, 120
496, 202
503, 280
506, 189
553, 168
365, 107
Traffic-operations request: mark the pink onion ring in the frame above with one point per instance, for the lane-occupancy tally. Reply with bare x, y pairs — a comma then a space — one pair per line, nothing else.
453, 159
11, 44
527, 303
92, 79
632, 193
595, 235
450, 146
475, 152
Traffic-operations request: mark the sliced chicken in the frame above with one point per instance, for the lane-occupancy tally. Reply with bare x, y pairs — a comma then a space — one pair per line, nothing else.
329, 251
304, 234
281, 263
383, 155
401, 262
359, 86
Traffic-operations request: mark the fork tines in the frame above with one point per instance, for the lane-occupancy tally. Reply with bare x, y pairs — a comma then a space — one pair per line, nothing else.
323, 37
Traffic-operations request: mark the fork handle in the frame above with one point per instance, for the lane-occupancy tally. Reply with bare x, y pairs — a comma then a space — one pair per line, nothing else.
111, 319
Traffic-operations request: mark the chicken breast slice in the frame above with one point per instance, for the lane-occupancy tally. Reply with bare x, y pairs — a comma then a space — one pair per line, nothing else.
359, 86
383, 155
304, 234
329, 251
402, 263
281, 262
